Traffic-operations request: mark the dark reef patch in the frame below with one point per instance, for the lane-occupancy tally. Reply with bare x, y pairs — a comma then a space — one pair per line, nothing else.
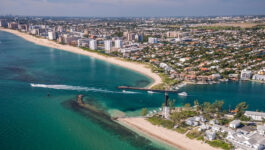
141, 83
101, 118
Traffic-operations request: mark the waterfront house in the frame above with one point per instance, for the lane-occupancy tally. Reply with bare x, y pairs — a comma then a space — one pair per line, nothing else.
255, 115
233, 76
245, 74
258, 77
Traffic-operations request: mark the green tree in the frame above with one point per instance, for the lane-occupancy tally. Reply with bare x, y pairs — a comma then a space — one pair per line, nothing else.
217, 106
175, 117
197, 105
144, 112
241, 108
171, 104
206, 107
187, 105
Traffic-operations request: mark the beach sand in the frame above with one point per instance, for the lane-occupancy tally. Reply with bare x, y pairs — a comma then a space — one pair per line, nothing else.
141, 68
180, 141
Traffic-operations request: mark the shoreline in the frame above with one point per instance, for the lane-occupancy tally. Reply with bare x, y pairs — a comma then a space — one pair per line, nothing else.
140, 68
170, 137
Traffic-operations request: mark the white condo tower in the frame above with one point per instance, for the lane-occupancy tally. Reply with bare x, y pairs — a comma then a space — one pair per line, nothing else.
93, 44
108, 45
118, 43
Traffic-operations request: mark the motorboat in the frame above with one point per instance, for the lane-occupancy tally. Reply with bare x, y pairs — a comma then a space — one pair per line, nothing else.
182, 94
150, 92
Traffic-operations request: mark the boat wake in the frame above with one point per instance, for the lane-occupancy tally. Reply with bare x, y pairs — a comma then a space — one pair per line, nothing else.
128, 92
77, 88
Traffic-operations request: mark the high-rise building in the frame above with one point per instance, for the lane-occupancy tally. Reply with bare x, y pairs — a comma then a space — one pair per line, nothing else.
131, 36
60, 29
86, 32
3, 23
23, 27
125, 34
12, 25
83, 42
152, 40
108, 45
139, 37
51, 35
93, 44
118, 43
172, 34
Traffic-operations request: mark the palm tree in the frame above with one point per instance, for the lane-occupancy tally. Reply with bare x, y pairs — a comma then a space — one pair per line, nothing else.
171, 103
197, 105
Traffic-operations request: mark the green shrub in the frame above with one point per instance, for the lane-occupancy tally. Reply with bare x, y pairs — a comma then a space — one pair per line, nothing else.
155, 120
181, 130
223, 121
160, 86
244, 118
200, 138
144, 112
220, 144
193, 134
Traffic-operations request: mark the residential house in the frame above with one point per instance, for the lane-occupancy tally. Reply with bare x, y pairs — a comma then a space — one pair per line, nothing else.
258, 77
261, 129
245, 74
251, 141
210, 135
191, 121
259, 116
234, 124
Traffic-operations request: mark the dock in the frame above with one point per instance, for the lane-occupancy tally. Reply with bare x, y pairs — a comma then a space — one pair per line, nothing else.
146, 89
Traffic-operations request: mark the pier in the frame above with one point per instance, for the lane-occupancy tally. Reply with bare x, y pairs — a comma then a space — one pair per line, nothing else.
145, 89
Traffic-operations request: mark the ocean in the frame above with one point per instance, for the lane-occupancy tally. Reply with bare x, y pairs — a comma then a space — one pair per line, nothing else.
30, 119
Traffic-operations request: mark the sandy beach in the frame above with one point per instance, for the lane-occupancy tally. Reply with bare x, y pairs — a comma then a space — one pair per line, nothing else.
180, 141
141, 68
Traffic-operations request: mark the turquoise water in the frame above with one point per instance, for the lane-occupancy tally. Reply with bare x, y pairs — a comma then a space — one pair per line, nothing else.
253, 93
32, 120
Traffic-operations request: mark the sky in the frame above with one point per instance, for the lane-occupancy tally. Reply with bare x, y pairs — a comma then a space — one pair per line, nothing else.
132, 8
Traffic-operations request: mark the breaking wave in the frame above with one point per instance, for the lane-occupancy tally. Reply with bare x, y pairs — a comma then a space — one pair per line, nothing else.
77, 88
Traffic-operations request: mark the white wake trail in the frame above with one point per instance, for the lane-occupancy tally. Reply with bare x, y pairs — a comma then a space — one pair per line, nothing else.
77, 88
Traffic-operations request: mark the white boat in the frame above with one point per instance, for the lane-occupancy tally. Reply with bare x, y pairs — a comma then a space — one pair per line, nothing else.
150, 92
182, 94
123, 91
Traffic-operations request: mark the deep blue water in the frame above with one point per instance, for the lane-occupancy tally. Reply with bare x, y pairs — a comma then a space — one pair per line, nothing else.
32, 120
